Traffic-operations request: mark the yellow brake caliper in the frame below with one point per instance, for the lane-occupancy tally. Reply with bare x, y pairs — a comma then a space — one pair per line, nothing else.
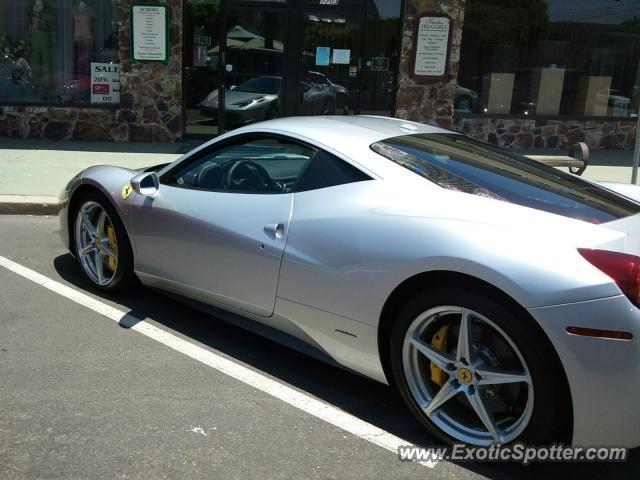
113, 245
439, 342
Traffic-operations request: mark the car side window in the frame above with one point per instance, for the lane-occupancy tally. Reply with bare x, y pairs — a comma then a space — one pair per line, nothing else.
259, 165
326, 170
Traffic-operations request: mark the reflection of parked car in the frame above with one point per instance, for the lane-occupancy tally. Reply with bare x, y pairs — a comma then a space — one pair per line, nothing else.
617, 104
78, 90
257, 99
251, 101
317, 78
15, 80
466, 100
316, 101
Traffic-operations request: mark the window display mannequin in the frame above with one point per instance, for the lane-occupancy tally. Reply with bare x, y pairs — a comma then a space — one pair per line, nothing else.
41, 36
83, 42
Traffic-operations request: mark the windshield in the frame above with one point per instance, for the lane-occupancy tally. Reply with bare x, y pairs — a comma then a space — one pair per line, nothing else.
459, 163
266, 85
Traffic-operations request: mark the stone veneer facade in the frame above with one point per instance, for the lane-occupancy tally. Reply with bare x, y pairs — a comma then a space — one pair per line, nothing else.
150, 107
151, 100
538, 133
553, 133
423, 100
428, 102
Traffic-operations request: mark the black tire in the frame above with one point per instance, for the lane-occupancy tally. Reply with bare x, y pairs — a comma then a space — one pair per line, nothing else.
547, 422
124, 276
329, 108
272, 112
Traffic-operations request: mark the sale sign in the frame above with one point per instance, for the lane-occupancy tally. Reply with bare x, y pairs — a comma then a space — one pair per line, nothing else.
105, 82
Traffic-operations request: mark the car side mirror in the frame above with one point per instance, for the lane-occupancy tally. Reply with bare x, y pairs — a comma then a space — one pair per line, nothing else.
146, 184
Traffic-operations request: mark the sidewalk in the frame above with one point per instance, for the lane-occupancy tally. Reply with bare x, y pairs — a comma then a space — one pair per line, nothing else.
604, 165
33, 172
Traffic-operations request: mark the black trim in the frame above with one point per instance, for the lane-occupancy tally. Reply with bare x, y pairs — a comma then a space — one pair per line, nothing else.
323, 165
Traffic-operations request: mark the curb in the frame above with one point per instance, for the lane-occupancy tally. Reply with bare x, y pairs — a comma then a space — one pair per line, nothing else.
28, 205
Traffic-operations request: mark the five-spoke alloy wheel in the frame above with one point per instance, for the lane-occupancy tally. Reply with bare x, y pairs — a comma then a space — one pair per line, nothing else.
471, 373
101, 244
474, 377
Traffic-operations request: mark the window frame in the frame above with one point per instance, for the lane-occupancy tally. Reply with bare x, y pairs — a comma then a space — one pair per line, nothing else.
231, 142
245, 138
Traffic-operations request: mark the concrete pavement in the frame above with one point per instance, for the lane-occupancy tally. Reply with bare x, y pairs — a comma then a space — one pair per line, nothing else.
85, 397
33, 173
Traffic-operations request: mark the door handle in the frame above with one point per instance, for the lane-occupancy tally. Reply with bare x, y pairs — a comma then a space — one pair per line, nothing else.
275, 229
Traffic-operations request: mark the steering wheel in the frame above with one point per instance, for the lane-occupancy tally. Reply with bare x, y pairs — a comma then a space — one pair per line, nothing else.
248, 175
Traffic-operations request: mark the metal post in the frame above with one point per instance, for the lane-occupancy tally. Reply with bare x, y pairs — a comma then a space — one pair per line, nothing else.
636, 152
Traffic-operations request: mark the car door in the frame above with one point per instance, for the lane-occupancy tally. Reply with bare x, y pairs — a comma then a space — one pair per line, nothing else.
216, 228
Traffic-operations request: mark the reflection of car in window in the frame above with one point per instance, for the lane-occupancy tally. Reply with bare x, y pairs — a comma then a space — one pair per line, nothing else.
617, 103
466, 100
251, 101
320, 79
258, 99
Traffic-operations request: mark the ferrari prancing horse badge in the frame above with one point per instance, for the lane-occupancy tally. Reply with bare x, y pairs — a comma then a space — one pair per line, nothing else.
126, 191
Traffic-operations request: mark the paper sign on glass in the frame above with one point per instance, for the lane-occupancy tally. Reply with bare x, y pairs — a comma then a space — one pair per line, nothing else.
341, 56
322, 56
105, 82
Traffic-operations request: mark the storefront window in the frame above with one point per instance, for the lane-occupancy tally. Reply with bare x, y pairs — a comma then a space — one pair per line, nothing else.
61, 52
577, 58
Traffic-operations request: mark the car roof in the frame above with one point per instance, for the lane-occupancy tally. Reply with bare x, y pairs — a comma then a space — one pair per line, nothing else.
353, 128
348, 136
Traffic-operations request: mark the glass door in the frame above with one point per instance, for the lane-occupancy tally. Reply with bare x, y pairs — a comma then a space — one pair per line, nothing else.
201, 73
331, 63
253, 65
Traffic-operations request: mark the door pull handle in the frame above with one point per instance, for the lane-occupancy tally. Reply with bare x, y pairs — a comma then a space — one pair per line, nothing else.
275, 229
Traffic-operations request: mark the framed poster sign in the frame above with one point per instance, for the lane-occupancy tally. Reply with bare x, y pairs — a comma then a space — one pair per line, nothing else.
431, 47
150, 33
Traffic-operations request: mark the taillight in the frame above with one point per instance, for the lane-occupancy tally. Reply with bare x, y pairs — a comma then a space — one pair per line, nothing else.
624, 269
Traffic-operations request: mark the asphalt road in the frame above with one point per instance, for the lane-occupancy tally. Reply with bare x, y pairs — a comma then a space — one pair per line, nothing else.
84, 397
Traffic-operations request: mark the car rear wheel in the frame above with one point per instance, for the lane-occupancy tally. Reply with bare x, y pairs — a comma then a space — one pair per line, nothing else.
101, 244
329, 108
471, 371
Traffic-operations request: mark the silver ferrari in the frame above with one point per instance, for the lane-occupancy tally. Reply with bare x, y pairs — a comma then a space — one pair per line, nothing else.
499, 296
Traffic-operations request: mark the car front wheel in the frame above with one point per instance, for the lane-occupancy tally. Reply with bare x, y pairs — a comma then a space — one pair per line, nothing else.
472, 370
101, 244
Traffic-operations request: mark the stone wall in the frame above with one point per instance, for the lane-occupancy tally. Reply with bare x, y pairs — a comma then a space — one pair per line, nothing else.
432, 103
423, 100
150, 99
532, 133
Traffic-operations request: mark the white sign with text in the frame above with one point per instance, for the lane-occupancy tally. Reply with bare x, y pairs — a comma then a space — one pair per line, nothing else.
150, 33
432, 45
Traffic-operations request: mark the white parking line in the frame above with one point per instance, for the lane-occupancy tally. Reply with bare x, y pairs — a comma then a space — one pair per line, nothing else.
295, 398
